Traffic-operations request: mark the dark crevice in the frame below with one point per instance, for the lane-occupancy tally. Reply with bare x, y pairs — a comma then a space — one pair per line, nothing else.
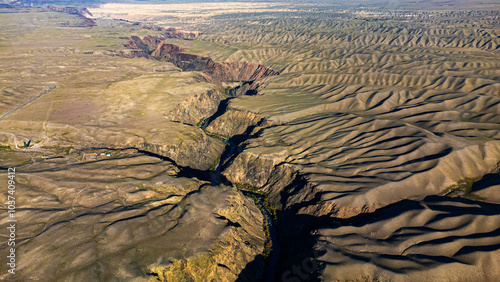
246, 74
184, 171
260, 269
221, 109
229, 222
298, 227
488, 180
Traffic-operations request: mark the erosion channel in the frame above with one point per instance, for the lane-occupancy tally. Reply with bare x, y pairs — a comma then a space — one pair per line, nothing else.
233, 79
215, 178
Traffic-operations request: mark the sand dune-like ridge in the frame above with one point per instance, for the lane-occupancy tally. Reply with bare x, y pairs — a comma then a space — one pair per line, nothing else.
366, 114
437, 238
140, 217
419, 33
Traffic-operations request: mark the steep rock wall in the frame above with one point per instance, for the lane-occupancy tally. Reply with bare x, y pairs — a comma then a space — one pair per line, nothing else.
197, 107
154, 48
242, 243
234, 122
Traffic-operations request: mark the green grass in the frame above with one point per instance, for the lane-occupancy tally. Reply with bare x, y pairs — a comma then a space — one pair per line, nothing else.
215, 164
268, 245
271, 208
200, 122
463, 188
247, 187
67, 149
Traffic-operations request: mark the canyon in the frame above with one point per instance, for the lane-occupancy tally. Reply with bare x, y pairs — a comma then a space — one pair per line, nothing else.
288, 143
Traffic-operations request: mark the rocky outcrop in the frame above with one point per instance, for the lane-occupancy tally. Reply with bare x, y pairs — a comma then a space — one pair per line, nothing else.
238, 71
197, 151
137, 43
198, 107
187, 62
249, 88
242, 243
153, 47
150, 43
169, 33
253, 169
234, 122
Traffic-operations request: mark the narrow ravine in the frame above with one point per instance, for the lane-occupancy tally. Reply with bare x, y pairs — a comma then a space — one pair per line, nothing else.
244, 72
215, 179
275, 251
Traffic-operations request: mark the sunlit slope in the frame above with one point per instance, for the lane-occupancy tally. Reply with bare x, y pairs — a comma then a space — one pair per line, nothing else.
367, 113
138, 213
122, 217
439, 239
407, 119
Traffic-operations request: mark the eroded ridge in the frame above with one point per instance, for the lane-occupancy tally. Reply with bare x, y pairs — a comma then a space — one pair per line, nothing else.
378, 144
155, 48
360, 120
406, 239
142, 219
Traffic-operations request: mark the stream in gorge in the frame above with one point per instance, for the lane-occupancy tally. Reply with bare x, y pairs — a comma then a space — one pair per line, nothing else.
214, 178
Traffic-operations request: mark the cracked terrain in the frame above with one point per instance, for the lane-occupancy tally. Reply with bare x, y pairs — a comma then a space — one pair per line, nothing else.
252, 141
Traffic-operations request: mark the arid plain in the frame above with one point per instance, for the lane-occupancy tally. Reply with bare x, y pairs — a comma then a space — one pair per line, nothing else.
252, 141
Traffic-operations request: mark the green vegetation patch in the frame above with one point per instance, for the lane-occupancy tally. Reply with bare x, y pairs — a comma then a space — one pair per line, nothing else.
268, 245
271, 208
200, 122
248, 187
463, 188
67, 149
5, 147
215, 164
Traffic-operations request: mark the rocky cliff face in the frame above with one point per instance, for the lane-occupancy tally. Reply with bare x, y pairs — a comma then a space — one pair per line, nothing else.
235, 122
197, 152
241, 244
146, 223
253, 169
154, 47
187, 62
198, 107
233, 71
